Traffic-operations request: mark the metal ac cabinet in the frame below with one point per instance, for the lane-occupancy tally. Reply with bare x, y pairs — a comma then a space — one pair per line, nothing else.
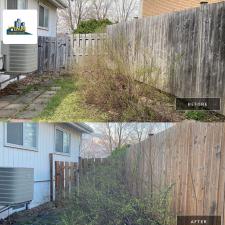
16, 185
20, 59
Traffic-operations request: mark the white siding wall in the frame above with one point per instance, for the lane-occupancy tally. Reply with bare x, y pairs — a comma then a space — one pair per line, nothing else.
13, 157
51, 31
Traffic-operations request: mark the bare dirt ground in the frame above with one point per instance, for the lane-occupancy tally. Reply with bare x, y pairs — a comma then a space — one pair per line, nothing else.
46, 214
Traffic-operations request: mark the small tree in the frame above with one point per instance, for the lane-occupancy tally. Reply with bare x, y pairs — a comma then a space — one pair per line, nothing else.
92, 26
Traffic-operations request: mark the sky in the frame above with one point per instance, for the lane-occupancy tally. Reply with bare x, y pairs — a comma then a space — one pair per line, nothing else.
159, 127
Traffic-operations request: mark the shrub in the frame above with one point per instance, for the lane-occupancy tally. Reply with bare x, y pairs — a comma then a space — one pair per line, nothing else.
102, 199
92, 26
109, 83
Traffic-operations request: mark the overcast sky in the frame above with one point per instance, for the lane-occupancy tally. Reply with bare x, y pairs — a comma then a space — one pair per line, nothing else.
158, 127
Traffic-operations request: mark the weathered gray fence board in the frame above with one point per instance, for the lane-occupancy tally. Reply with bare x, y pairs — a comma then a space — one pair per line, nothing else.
87, 44
54, 53
185, 49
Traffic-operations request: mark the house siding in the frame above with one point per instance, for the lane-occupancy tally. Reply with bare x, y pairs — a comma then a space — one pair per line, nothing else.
14, 157
34, 4
52, 28
157, 7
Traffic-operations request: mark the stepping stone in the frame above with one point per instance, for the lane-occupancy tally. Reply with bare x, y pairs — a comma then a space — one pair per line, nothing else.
3, 104
15, 106
7, 113
41, 100
32, 111
48, 94
9, 98
55, 88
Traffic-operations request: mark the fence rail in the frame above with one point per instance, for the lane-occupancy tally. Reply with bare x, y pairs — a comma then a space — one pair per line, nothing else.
190, 157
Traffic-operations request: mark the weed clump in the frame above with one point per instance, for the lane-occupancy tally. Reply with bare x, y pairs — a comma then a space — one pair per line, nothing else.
103, 198
110, 83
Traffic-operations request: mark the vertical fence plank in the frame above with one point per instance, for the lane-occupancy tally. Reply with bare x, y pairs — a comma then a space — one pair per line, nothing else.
189, 155
185, 50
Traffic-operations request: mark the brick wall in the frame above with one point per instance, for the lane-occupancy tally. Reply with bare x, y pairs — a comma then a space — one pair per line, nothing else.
157, 7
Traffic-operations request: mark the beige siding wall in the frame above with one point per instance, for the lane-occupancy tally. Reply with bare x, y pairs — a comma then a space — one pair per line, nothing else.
157, 7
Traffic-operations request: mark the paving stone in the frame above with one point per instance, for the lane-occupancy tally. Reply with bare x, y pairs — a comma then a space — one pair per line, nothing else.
41, 100
32, 111
7, 113
15, 106
46, 95
49, 93
55, 88
9, 98
3, 104
33, 104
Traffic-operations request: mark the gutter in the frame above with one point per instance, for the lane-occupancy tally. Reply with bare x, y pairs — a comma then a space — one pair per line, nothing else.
81, 127
59, 3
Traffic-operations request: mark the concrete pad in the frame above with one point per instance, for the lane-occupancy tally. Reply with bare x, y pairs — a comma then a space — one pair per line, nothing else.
15, 106
41, 100
9, 98
3, 104
55, 88
7, 113
47, 96
32, 111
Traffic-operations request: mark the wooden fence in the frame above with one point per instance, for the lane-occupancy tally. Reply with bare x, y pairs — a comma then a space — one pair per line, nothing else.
86, 164
87, 44
63, 177
182, 52
190, 157
54, 53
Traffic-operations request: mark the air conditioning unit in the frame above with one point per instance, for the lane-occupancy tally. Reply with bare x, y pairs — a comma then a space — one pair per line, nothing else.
20, 59
16, 185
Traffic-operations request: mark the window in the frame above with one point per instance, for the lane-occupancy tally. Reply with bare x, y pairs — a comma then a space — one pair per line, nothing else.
16, 4
22, 134
43, 16
62, 141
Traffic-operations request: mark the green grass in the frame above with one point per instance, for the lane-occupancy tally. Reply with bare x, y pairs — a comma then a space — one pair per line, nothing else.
69, 105
196, 115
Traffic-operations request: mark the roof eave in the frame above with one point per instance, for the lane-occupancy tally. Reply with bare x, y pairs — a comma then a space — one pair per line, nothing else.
81, 127
59, 4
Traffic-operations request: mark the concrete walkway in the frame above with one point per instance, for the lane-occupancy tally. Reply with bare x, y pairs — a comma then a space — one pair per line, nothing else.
27, 106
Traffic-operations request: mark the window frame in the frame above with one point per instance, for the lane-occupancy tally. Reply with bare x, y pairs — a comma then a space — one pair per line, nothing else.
68, 133
26, 3
6, 144
45, 7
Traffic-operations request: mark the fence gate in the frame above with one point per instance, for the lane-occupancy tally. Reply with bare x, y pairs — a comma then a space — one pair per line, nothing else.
63, 176
54, 53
